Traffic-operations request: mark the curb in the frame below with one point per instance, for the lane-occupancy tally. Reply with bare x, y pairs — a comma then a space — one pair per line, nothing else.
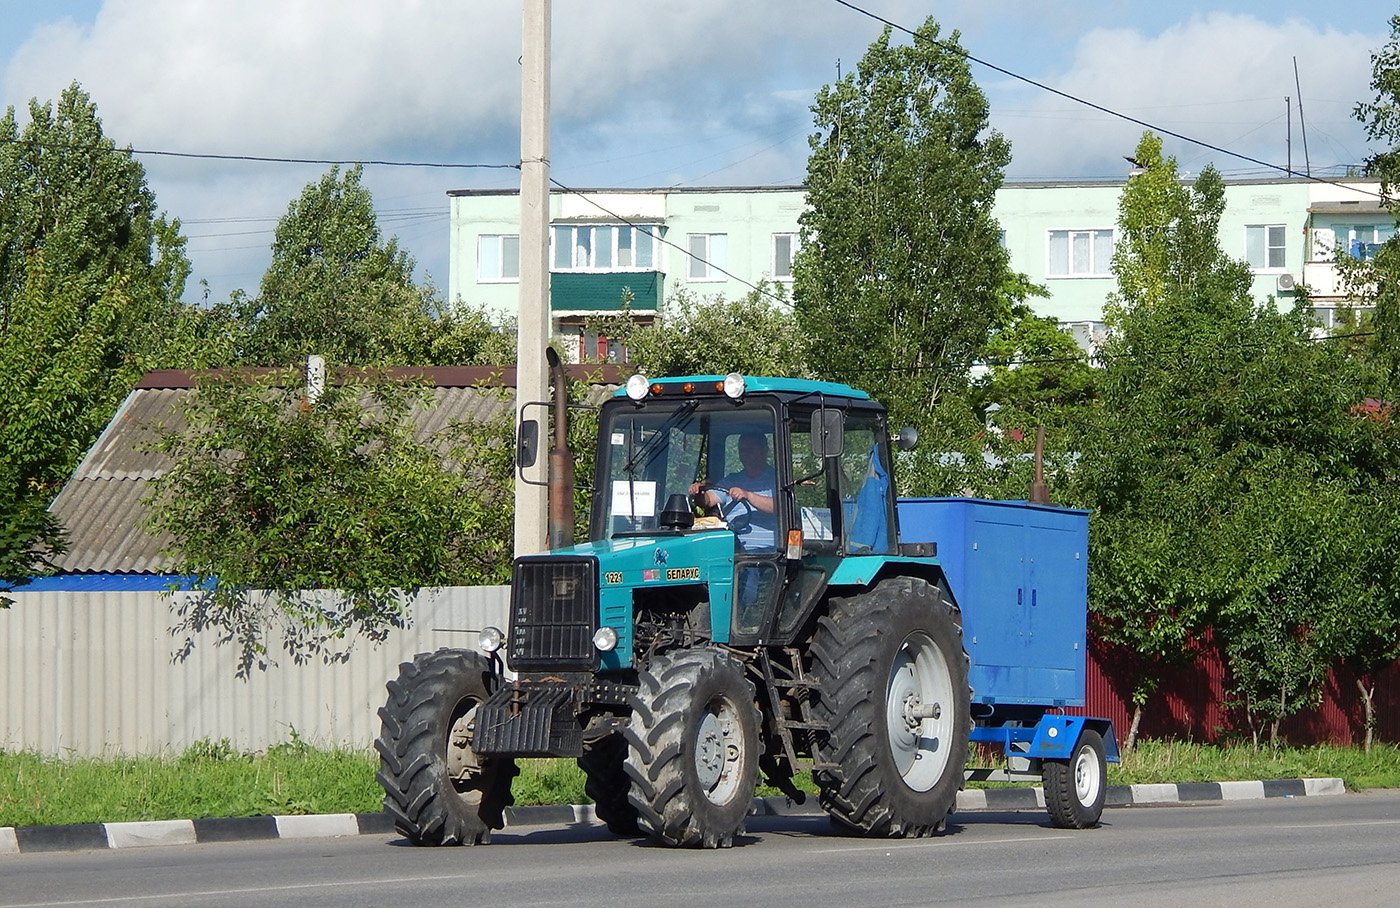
101, 836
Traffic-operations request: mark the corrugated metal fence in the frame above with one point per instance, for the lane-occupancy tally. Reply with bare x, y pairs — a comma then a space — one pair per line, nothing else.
92, 674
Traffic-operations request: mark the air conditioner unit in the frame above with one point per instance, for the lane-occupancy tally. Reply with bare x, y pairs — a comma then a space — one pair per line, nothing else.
1286, 282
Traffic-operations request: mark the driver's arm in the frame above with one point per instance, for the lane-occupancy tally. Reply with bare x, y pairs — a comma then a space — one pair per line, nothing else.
759, 502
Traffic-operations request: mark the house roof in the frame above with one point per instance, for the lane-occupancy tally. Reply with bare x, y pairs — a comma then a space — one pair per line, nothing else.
101, 506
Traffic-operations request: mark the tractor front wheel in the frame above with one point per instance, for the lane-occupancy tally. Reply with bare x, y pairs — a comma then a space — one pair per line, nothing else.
438, 790
693, 748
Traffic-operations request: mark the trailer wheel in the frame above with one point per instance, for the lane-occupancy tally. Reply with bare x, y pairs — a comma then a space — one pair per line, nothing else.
693, 748
437, 789
893, 681
606, 782
1075, 788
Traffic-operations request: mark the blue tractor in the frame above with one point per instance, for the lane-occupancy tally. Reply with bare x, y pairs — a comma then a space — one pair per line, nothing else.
753, 599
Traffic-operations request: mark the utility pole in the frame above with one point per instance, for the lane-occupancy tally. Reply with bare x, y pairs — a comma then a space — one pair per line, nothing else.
531, 501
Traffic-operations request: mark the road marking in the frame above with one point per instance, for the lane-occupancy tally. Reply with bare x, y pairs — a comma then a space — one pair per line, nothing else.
945, 842
197, 893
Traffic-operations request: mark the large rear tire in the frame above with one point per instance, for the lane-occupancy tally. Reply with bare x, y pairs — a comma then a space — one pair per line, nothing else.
437, 789
606, 782
693, 748
1075, 788
893, 680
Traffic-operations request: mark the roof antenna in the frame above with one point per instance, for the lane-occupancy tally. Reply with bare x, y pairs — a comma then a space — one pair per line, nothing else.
1302, 123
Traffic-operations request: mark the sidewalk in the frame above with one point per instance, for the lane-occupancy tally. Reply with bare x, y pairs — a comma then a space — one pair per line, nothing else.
89, 836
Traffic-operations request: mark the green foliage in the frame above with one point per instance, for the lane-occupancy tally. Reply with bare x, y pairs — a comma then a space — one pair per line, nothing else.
756, 334
319, 520
1378, 282
897, 279
337, 288
90, 279
1231, 479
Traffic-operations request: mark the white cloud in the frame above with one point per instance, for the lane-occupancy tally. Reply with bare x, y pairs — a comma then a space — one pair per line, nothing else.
1218, 78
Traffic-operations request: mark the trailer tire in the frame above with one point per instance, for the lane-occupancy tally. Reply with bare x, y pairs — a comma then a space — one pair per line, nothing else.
693, 748
606, 782
1075, 788
893, 679
438, 791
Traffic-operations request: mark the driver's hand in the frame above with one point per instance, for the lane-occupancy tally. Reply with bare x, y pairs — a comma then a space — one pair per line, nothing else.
738, 494
695, 488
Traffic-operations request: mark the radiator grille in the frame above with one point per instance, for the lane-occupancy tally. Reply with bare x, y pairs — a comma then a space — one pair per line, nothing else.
554, 609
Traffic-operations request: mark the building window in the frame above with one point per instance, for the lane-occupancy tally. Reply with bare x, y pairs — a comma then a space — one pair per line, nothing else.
1080, 253
604, 247
1364, 242
498, 257
707, 256
784, 248
1264, 246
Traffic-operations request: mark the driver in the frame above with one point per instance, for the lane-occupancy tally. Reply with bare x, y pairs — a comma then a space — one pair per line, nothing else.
756, 486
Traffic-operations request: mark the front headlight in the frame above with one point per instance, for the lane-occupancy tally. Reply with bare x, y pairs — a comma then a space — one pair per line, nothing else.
491, 639
734, 386
604, 639
637, 387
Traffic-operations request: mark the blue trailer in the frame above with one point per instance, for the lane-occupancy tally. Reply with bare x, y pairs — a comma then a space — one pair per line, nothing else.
753, 601
1019, 573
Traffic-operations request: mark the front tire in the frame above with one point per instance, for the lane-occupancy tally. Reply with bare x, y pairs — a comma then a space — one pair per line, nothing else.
693, 748
893, 680
437, 789
1075, 788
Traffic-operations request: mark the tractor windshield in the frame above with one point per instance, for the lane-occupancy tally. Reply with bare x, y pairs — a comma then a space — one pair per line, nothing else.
651, 453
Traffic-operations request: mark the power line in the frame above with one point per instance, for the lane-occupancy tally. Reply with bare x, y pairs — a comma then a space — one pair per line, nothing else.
962, 52
261, 159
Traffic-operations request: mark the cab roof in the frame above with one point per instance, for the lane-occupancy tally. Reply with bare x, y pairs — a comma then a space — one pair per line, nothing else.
705, 384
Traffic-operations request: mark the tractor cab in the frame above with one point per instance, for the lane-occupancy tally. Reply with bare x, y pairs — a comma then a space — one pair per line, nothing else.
787, 477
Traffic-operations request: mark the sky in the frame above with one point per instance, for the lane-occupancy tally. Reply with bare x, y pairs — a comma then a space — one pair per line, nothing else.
652, 93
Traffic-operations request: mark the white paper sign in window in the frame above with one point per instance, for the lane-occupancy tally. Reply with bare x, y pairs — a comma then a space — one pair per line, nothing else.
633, 499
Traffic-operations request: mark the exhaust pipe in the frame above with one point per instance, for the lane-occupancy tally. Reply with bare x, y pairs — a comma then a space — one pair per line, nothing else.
561, 462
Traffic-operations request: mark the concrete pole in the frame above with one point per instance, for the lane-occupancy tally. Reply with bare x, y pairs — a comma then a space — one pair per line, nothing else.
531, 384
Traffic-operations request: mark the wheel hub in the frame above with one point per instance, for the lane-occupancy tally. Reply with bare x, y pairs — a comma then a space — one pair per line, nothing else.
462, 761
916, 724
709, 751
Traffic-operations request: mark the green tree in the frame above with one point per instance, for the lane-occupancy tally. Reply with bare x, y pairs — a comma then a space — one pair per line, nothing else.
1175, 329
897, 279
90, 282
1377, 283
336, 287
319, 520
756, 334
1224, 461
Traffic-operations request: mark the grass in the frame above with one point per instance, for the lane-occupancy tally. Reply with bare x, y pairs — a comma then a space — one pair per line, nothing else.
213, 780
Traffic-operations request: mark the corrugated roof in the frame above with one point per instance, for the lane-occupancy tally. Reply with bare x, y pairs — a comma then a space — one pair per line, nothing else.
101, 507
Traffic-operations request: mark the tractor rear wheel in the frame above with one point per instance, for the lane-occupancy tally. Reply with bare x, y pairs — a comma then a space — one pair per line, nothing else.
606, 782
693, 748
893, 681
438, 790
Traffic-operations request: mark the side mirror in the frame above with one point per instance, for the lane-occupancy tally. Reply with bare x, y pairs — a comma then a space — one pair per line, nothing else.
527, 443
907, 438
828, 432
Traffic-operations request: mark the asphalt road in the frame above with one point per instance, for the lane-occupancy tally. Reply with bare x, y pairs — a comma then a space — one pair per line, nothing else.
1305, 851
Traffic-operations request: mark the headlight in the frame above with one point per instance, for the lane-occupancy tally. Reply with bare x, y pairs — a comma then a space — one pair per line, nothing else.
734, 386
491, 639
637, 386
604, 639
